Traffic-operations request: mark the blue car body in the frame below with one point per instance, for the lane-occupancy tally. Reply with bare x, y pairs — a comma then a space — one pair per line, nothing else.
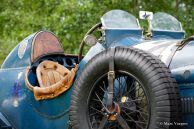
20, 110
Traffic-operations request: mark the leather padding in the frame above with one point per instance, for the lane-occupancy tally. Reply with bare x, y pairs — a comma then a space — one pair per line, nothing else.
45, 43
49, 73
54, 79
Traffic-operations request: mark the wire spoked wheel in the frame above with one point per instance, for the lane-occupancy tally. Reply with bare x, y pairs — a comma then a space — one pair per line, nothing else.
144, 96
130, 107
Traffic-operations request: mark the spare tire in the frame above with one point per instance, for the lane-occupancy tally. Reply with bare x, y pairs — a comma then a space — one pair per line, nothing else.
146, 96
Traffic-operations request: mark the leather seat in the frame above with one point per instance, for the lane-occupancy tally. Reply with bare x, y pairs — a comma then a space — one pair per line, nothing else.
49, 73
54, 79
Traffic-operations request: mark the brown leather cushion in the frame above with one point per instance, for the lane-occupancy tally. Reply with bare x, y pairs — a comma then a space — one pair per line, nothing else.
49, 73
54, 79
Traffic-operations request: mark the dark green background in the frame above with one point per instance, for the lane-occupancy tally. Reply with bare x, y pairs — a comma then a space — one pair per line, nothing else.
70, 19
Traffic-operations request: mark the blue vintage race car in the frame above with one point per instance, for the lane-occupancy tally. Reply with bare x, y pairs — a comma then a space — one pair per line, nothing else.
129, 78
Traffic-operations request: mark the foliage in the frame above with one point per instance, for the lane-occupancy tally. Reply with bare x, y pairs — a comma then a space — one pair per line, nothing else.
69, 20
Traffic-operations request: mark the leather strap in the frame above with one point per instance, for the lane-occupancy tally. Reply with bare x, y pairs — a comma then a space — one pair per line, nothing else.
111, 77
177, 47
184, 42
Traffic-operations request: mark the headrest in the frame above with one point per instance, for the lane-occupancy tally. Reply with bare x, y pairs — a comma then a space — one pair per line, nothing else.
45, 43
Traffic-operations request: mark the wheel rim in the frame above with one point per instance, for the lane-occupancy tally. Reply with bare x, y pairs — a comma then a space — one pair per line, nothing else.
131, 98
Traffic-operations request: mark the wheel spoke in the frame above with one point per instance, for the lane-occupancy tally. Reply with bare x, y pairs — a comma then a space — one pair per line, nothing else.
128, 92
130, 96
103, 122
102, 89
97, 100
100, 100
122, 122
139, 110
96, 110
136, 122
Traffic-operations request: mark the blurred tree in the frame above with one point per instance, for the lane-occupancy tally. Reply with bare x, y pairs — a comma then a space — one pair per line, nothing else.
70, 20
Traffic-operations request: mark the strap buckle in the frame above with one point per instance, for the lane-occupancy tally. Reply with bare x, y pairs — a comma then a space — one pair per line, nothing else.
111, 75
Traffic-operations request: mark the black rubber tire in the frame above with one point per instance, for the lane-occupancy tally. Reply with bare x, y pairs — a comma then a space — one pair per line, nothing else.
163, 92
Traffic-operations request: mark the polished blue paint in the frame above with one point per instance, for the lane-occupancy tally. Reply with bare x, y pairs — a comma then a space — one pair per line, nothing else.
13, 60
113, 35
167, 34
17, 103
182, 67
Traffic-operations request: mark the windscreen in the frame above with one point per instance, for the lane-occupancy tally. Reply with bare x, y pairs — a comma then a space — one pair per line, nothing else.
166, 22
116, 19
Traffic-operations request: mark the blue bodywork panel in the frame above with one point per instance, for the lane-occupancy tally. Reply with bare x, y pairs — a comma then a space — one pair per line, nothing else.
112, 37
182, 67
167, 34
13, 60
18, 104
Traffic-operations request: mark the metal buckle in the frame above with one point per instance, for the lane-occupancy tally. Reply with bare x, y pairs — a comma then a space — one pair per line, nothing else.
111, 75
